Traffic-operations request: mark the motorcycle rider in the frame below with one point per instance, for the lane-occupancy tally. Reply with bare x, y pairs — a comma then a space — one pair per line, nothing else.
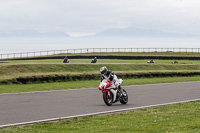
107, 74
66, 60
94, 60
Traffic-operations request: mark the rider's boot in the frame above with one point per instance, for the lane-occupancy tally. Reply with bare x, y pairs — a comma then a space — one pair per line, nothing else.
121, 90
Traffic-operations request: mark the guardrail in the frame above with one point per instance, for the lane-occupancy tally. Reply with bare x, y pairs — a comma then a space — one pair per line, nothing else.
94, 50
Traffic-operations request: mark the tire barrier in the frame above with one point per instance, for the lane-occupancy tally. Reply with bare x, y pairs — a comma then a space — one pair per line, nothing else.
66, 78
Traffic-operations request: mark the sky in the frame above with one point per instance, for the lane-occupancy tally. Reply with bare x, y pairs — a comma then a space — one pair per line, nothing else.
79, 18
86, 17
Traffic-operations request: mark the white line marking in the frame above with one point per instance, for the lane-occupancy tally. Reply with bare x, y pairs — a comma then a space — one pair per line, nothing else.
97, 113
164, 83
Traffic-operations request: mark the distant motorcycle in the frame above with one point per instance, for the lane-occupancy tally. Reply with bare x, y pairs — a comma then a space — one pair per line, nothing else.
66, 60
111, 93
94, 60
175, 62
151, 61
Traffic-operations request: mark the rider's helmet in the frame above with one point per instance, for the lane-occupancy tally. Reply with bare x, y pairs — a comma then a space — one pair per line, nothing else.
103, 70
95, 57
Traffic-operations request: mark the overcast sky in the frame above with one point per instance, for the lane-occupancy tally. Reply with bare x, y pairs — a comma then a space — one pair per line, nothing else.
82, 17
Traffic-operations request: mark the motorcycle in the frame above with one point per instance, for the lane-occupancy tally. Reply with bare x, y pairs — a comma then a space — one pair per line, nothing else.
66, 60
111, 93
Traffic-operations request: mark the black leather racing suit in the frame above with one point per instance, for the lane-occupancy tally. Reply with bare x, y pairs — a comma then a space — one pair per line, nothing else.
108, 74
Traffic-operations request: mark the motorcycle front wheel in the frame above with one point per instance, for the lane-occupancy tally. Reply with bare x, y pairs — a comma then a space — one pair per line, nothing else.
124, 98
108, 100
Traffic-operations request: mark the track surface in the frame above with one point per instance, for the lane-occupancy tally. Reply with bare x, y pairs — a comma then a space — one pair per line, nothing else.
25, 107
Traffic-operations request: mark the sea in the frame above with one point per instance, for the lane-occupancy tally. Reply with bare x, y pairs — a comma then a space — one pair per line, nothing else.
20, 45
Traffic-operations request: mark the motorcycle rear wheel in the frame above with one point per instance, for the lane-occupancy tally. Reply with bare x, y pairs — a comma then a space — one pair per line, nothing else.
124, 99
108, 100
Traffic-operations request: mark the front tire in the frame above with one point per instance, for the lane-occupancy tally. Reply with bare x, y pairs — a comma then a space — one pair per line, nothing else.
124, 99
108, 100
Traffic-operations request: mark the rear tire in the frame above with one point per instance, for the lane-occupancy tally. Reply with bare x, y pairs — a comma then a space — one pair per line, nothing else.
108, 100
124, 99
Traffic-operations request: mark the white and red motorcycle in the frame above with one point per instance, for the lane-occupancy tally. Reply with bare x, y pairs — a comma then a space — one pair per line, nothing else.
111, 93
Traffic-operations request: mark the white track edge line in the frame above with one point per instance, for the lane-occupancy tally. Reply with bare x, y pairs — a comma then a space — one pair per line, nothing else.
97, 113
20, 93
163, 83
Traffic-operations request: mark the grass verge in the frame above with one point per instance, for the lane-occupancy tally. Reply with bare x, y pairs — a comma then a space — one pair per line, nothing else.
9, 71
182, 117
183, 54
60, 61
16, 88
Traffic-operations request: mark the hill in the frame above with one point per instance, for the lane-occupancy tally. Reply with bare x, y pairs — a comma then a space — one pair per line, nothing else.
142, 33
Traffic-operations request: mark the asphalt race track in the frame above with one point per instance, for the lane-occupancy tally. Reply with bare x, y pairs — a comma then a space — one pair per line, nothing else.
23, 108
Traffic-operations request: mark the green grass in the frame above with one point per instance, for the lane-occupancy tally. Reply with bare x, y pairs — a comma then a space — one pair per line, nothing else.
176, 54
15, 88
60, 61
185, 54
11, 70
141, 54
175, 118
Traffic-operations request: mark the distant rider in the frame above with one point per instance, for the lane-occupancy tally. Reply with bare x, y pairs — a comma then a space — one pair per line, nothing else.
66, 60
94, 60
107, 74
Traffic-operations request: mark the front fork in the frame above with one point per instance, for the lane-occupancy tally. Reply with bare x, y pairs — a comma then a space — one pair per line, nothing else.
108, 92
114, 92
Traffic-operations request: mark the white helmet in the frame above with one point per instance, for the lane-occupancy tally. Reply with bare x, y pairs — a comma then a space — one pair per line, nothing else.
103, 70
